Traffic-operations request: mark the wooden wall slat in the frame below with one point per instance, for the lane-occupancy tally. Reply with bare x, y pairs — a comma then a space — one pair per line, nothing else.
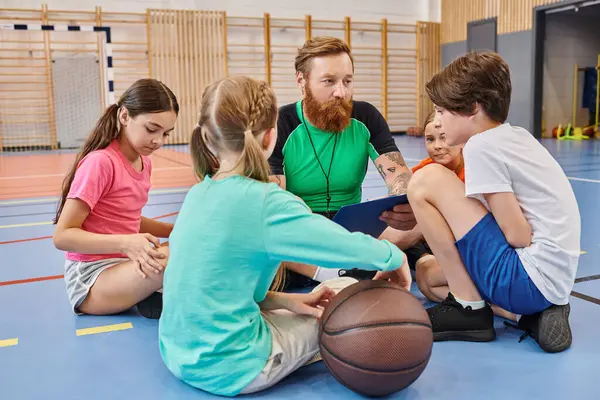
176, 50
384, 68
513, 15
429, 64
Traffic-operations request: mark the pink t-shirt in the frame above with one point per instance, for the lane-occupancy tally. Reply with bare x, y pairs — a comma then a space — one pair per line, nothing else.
115, 192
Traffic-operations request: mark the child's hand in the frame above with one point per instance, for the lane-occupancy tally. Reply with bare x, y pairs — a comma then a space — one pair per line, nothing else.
403, 239
139, 249
400, 276
310, 303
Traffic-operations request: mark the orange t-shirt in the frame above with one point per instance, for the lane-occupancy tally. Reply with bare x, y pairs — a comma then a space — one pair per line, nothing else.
429, 160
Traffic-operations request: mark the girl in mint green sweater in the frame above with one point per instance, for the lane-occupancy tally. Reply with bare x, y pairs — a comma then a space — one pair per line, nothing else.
222, 330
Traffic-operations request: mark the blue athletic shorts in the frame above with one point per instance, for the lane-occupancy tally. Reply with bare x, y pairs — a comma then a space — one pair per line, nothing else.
497, 271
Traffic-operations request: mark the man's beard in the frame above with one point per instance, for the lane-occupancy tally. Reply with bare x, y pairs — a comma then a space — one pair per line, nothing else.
332, 116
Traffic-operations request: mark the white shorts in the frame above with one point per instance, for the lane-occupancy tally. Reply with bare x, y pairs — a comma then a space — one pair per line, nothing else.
295, 341
80, 276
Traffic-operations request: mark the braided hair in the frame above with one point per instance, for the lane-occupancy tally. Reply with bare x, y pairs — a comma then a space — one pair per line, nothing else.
234, 112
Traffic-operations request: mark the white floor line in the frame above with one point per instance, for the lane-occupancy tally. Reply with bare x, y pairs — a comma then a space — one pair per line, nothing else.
5, 178
572, 178
54, 199
169, 191
583, 179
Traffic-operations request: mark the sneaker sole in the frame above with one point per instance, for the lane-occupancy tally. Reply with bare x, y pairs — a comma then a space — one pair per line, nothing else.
554, 329
487, 335
151, 307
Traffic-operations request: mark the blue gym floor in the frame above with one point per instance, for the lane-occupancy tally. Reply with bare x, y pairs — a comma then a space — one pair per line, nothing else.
46, 353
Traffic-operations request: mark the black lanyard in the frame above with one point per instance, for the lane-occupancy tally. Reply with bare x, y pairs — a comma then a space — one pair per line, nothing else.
326, 175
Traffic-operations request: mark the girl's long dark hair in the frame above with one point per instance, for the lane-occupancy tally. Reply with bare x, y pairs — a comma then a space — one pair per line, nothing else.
144, 97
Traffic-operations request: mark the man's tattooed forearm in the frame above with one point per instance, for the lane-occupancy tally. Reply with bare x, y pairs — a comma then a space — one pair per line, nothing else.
400, 183
382, 170
396, 157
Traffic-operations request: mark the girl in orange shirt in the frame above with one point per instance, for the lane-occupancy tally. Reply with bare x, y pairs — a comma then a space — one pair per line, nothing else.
439, 152
429, 275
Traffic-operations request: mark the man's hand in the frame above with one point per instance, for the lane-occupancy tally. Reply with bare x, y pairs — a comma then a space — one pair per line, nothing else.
401, 217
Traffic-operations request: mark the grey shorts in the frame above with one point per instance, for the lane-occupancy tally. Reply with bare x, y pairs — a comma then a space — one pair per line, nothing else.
80, 276
295, 341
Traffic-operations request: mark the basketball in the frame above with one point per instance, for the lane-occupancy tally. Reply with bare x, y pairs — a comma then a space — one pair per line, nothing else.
375, 338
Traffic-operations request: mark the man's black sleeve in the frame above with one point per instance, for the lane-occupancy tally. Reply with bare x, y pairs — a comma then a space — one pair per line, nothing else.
286, 123
381, 137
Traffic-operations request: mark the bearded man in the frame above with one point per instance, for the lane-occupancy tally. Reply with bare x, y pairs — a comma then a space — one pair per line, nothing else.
324, 144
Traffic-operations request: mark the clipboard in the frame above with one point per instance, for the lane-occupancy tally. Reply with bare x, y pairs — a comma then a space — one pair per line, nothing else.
364, 217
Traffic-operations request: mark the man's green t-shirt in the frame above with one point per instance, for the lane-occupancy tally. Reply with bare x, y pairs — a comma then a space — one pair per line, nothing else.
366, 137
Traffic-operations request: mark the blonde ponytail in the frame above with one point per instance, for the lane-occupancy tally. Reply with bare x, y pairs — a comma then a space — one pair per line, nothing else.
205, 162
279, 281
253, 159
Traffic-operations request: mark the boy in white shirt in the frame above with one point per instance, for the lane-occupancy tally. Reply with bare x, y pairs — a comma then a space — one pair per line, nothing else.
509, 236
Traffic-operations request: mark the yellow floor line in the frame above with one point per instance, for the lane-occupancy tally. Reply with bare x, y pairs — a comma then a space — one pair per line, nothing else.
104, 329
9, 342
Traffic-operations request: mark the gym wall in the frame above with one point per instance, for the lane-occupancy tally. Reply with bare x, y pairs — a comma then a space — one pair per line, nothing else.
401, 11
189, 48
571, 38
514, 43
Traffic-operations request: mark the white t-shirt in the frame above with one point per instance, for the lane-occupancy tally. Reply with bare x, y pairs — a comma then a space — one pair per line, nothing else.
510, 159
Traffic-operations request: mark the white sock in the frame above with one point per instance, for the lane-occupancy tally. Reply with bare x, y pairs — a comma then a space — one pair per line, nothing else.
475, 305
324, 274
518, 317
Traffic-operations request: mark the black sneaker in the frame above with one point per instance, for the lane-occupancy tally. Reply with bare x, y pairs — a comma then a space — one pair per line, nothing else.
549, 328
358, 274
451, 321
151, 306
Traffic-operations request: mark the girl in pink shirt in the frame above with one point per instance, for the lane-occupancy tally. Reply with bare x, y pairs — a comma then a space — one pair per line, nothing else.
114, 258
